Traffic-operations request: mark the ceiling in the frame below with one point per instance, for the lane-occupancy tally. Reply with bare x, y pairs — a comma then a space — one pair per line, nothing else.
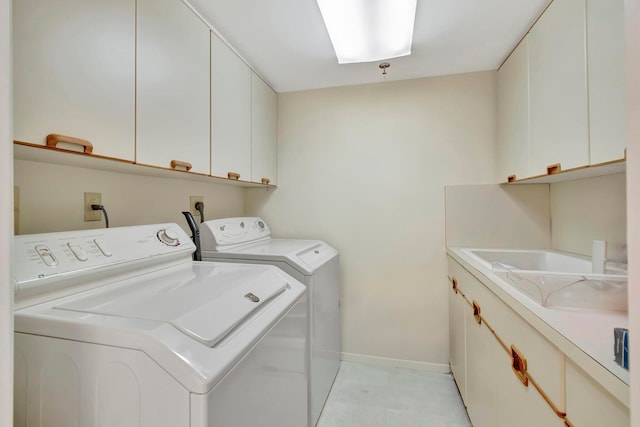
286, 41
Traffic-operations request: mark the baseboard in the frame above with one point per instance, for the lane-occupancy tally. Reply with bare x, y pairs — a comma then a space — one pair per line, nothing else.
442, 368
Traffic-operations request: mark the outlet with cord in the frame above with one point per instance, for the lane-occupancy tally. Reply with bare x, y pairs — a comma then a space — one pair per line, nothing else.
196, 206
93, 208
90, 199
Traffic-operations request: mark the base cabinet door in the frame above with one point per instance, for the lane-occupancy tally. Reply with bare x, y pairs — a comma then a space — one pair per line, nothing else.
74, 73
457, 341
173, 87
520, 404
589, 405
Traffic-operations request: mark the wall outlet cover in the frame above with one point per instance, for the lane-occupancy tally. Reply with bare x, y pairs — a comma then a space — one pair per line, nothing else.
192, 204
92, 199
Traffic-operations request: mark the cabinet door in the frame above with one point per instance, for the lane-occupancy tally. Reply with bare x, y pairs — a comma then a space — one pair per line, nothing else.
588, 404
483, 353
607, 103
526, 407
74, 72
264, 121
173, 86
558, 78
458, 309
230, 112
513, 114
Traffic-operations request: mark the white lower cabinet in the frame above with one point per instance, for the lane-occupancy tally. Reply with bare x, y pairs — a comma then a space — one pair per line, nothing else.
482, 366
589, 405
523, 405
458, 309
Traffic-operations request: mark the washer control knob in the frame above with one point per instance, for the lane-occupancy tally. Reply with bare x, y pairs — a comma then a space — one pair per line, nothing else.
168, 237
260, 225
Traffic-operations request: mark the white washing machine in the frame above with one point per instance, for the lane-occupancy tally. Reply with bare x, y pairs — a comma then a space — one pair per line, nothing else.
312, 262
119, 327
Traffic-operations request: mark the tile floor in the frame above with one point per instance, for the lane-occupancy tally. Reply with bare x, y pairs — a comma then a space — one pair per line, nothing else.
371, 396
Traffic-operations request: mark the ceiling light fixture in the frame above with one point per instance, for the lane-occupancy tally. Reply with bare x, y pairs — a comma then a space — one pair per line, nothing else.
369, 30
384, 67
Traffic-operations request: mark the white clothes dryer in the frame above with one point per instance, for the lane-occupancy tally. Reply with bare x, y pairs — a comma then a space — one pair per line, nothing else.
119, 327
312, 262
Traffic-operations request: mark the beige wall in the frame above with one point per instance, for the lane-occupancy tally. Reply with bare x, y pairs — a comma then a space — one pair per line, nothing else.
52, 197
590, 209
498, 216
364, 168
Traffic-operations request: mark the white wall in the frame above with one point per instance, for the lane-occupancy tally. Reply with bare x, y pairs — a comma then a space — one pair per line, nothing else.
590, 209
633, 196
52, 198
6, 202
364, 168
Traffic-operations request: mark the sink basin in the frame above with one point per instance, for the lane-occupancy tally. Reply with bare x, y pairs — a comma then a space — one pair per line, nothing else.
557, 280
541, 260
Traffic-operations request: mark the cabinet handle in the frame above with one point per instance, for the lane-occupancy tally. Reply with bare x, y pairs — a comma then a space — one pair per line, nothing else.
233, 175
266, 181
554, 169
53, 139
454, 284
175, 164
476, 312
519, 365
511, 178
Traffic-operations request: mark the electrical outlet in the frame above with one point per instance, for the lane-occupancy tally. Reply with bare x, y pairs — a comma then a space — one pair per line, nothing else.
92, 199
192, 204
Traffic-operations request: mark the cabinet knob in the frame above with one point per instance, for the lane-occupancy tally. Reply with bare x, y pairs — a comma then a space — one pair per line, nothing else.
233, 175
266, 181
54, 139
511, 178
554, 169
178, 165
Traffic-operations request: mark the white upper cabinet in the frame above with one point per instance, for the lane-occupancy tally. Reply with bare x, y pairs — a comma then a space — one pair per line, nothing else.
513, 114
74, 72
264, 121
230, 113
173, 86
558, 88
607, 104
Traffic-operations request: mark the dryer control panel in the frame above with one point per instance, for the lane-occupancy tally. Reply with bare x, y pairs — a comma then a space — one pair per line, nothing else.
230, 232
50, 261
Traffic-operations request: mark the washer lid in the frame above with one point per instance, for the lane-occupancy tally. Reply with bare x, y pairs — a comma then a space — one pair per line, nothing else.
206, 302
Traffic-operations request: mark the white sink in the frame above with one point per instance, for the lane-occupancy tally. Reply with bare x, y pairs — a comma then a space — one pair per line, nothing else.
537, 260
557, 280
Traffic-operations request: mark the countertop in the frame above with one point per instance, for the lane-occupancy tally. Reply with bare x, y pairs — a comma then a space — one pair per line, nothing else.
585, 336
